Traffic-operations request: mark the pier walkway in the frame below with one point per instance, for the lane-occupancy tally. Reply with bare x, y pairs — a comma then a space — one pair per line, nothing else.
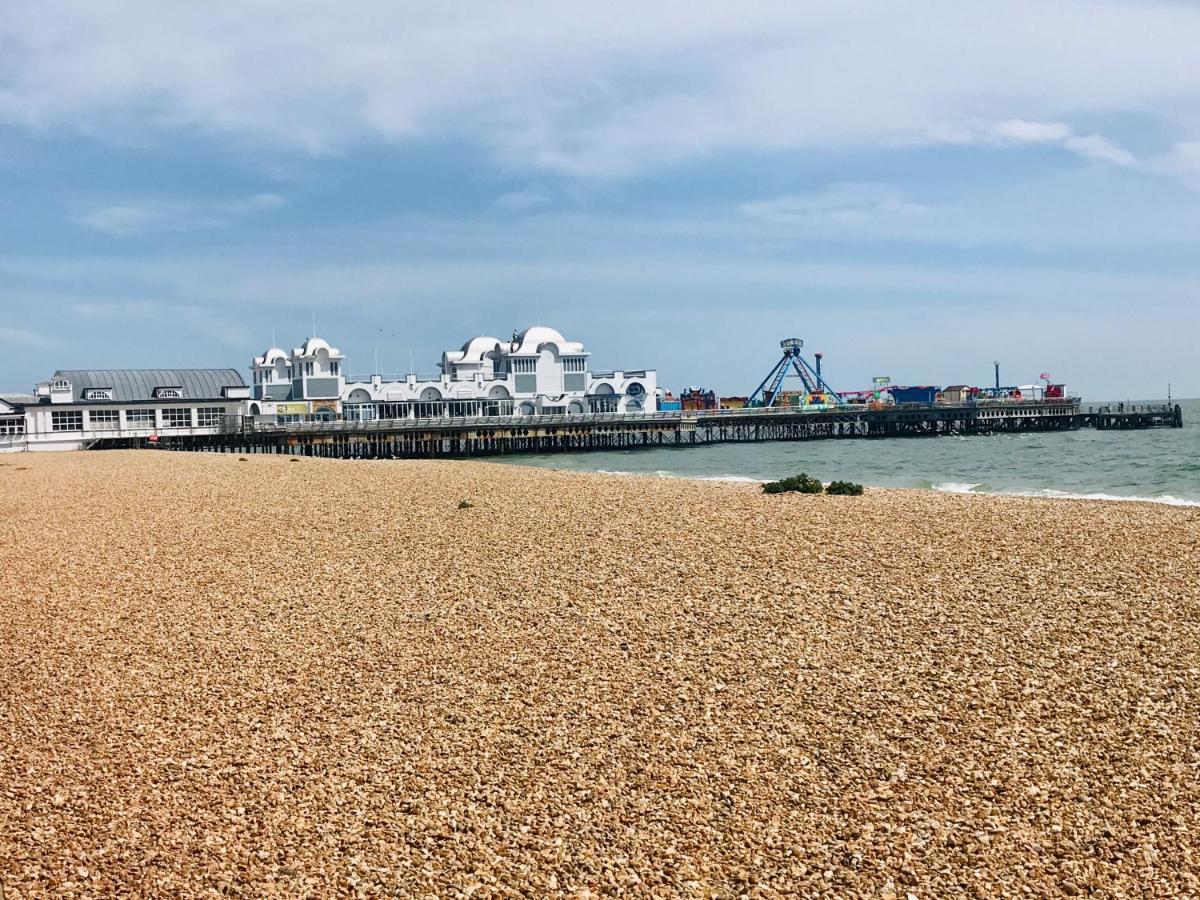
492, 436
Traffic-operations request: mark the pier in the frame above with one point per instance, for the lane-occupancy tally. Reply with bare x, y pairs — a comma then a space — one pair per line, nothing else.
450, 437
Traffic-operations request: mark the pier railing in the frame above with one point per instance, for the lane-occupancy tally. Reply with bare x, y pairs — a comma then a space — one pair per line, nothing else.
664, 417
463, 436
1139, 408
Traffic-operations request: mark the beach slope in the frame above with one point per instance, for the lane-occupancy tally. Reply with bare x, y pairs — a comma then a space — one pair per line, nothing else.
277, 677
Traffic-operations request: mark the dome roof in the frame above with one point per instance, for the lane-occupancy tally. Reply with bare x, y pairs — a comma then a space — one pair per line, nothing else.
539, 334
270, 356
529, 340
478, 347
313, 344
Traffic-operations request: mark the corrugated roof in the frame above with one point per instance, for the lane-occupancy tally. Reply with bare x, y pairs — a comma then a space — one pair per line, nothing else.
132, 385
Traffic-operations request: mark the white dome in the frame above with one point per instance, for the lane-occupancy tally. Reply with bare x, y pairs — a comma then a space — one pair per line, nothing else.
477, 348
540, 334
313, 344
270, 356
529, 340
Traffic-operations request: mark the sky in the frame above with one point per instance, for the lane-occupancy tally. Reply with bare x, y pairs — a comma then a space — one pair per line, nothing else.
914, 188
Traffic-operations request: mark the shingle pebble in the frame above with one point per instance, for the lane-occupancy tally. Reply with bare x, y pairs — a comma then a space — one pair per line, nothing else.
265, 678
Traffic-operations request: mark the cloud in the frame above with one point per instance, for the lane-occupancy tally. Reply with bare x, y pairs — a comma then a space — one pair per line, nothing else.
223, 328
531, 197
109, 309
23, 337
255, 203
1094, 147
151, 215
836, 204
1183, 161
600, 90
1101, 149
1023, 132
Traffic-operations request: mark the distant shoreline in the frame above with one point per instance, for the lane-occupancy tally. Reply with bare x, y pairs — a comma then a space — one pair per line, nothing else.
948, 487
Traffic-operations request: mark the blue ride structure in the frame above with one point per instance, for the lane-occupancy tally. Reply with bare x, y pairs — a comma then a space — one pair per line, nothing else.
817, 392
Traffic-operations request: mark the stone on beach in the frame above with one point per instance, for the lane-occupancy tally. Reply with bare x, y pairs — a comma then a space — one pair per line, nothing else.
263, 678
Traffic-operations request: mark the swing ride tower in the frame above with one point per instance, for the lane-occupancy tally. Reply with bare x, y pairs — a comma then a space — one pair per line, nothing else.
817, 392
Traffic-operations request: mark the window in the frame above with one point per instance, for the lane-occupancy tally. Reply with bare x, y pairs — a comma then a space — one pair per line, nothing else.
139, 418
523, 365
60, 384
66, 420
573, 364
104, 419
97, 394
168, 393
12, 425
177, 418
308, 368
208, 416
334, 366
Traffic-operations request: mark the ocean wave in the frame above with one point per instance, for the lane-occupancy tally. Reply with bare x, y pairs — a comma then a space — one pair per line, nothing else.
957, 487
667, 473
945, 487
1166, 499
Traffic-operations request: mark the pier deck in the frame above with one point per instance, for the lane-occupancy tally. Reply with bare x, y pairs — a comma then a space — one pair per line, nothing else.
472, 437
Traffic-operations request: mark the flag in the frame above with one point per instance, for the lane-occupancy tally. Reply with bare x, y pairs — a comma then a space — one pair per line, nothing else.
1045, 376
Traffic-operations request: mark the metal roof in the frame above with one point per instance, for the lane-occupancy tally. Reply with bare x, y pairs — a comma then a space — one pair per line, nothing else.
132, 385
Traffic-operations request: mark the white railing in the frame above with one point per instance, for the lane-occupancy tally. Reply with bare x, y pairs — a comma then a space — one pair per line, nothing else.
673, 416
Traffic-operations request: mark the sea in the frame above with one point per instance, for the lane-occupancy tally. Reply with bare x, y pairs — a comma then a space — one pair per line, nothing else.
1161, 465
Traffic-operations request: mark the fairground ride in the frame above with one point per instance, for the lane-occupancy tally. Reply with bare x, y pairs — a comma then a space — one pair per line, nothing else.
817, 393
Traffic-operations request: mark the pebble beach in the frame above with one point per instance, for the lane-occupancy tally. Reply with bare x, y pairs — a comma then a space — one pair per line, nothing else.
274, 677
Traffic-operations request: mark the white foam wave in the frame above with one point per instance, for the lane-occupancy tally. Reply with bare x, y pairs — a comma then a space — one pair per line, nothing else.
666, 473
945, 487
956, 487
959, 487
1166, 499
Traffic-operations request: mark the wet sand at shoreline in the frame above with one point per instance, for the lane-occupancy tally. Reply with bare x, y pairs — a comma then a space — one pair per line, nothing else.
276, 677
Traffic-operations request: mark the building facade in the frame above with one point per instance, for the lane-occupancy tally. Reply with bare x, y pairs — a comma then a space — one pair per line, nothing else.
537, 372
12, 421
78, 407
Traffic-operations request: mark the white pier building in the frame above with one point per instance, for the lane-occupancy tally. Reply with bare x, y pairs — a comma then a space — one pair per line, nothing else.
77, 407
537, 372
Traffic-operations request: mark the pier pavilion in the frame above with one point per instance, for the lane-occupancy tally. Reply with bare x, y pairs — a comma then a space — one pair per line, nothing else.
537, 372
79, 408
